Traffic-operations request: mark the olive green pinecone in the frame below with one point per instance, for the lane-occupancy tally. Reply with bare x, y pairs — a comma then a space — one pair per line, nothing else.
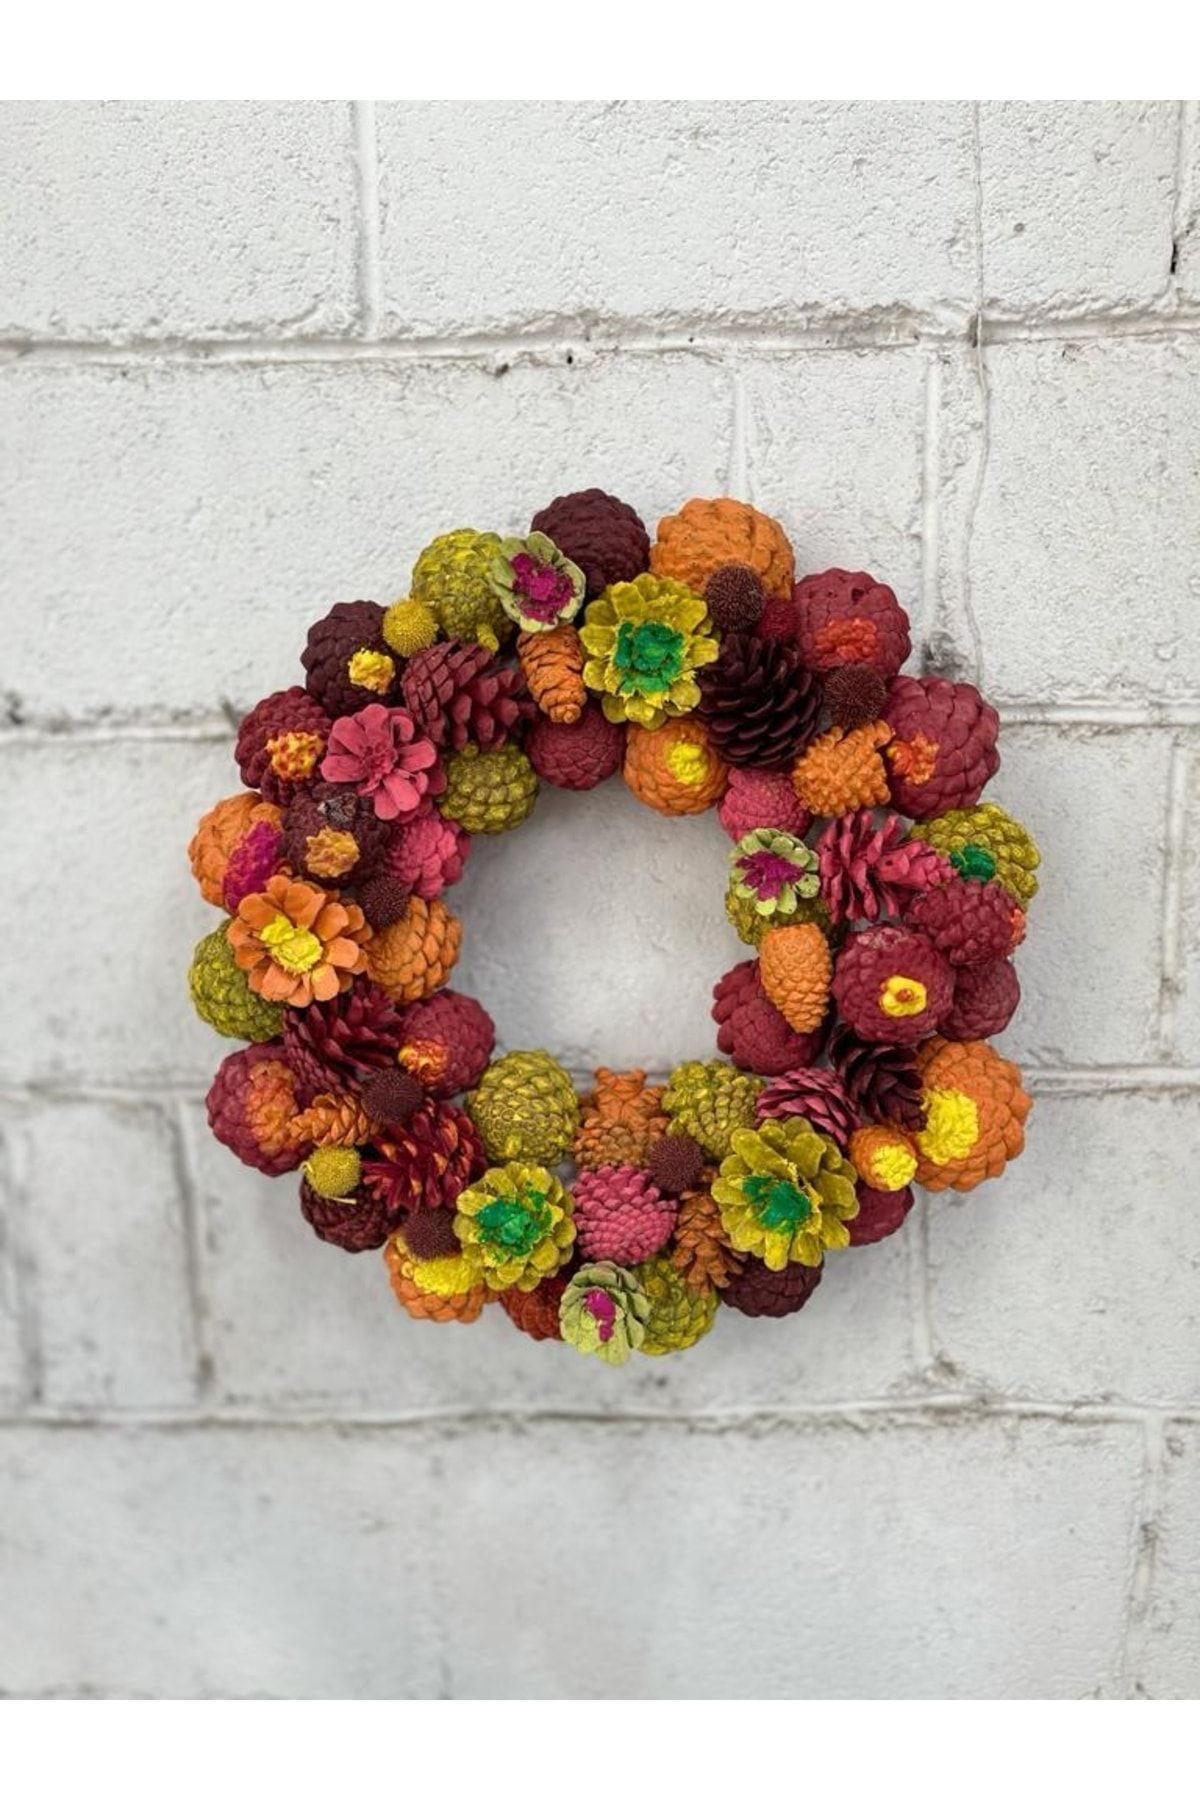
489, 790
679, 1315
525, 1109
710, 1101
223, 997
453, 578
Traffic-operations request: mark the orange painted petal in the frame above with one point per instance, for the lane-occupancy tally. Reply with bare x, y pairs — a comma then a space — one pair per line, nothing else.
272, 982
324, 981
331, 920
256, 913
304, 904
343, 954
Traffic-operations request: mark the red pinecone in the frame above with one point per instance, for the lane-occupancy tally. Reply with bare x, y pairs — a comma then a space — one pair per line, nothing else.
536, 1313
334, 1044
969, 921
298, 728
753, 1033
252, 1097
986, 996
868, 870
763, 1293
359, 1223
813, 1094
325, 808
460, 693
760, 703
892, 985
580, 755
447, 1041
879, 1214
882, 1081
598, 533
846, 616
943, 749
348, 627
426, 1162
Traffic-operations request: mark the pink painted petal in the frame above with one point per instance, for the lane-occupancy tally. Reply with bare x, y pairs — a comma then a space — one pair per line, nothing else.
342, 767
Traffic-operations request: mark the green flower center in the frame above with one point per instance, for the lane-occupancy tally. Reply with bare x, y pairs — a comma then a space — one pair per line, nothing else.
780, 1205
974, 863
515, 1226
648, 657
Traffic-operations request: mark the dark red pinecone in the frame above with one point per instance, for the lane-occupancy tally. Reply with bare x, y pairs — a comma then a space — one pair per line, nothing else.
348, 627
763, 1293
327, 808
460, 693
760, 703
817, 1095
359, 1223
986, 995
881, 1080
879, 1214
427, 1161
290, 713
598, 533
335, 1044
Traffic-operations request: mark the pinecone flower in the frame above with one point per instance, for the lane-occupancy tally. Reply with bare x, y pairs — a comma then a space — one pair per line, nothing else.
330, 835
578, 754
983, 843
785, 1192
645, 639
358, 1222
489, 790
411, 958
891, 985
603, 1312
986, 996
346, 658
680, 1313
515, 1225
538, 586
879, 1214
446, 1042
884, 1157
251, 1106
761, 705
702, 1253
459, 694
535, 1312
552, 664
868, 870
882, 1081
709, 1101
453, 576
843, 770
280, 742
444, 1290
705, 534
763, 1293
620, 1122
846, 616
969, 921
219, 835
339, 1043
795, 966
774, 871
525, 1107
942, 751
298, 943
620, 1215
380, 753
674, 768
222, 995
427, 854
427, 1161
753, 1032
813, 1094
976, 1110
761, 799
599, 533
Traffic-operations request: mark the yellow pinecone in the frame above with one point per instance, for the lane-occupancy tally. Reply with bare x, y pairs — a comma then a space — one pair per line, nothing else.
489, 790
679, 1315
985, 844
453, 577
525, 1109
710, 1101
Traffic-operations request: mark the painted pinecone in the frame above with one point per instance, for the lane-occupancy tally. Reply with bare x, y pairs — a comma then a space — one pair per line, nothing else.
969, 921
358, 1223
348, 628
701, 1252
428, 1161
882, 1081
620, 1216
943, 748
251, 1105
298, 727
598, 533
525, 1106
983, 842
869, 870
761, 705
460, 693
752, 1032
817, 1095
580, 755
763, 1293
338, 1043
680, 1314
536, 1312
892, 985
879, 1214
709, 1102
446, 1042
846, 616
986, 996
314, 823
489, 790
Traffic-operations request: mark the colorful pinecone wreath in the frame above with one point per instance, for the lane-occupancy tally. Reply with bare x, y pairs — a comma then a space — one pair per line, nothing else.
880, 898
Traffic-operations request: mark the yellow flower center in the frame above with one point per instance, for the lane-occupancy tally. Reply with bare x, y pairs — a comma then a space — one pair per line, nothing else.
329, 853
293, 948
952, 1127
294, 754
688, 763
900, 996
893, 1167
372, 669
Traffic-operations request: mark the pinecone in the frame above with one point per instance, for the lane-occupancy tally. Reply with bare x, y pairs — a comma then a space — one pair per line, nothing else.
855, 695
843, 770
358, 1223
536, 1312
447, 1043
879, 1214
969, 921
453, 577
251, 1105
346, 658
442, 1292
411, 958
680, 1313
795, 966
222, 995
526, 1107
709, 1102
460, 693
704, 534
761, 705
983, 842
868, 870
428, 1161
882, 1081
620, 1121
552, 664
489, 790
579, 755
986, 996
331, 834
892, 985
336, 1119
702, 1253
620, 1216
753, 1032
675, 1164
846, 616
758, 798
280, 743
763, 1293
813, 1094
338, 1043
943, 750
427, 854
598, 533
735, 597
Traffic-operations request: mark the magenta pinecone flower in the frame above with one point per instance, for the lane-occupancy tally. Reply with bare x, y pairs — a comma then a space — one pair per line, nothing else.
379, 752
870, 870
620, 1216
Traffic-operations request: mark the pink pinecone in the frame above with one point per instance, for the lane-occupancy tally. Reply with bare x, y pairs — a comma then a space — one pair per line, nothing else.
869, 870
447, 1041
753, 1033
813, 1094
969, 921
986, 996
758, 798
620, 1216
428, 854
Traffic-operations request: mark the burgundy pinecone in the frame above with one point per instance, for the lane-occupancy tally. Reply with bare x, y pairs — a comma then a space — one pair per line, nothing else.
813, 1094
598, 533
429, 1232
763, 1293
577, 756
675, 1164
328, 808
879, 1214
735, 597
359, 1223
460, 693
335, 1044
447, 1042
348, 627
986, 996
753, 1033
427, 1161
854, 694
760, 703
881, 1081
292, 710
969, 921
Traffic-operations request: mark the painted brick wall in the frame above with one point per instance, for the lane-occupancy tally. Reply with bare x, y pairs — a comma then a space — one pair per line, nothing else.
251, 358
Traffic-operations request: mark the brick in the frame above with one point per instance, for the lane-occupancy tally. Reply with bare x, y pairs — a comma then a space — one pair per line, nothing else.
1188, 1029
1167, 1663
754, 211
116, 924
145, 219
1187, 248
104, 1237
13, 1379
1095, 801
1076, 202
217, 510
1045, 1286
1083, 572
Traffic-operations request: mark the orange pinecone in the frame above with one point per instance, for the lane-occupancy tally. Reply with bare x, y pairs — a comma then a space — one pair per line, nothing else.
701, 1252
796, 968
843, 770
883, 1157
440, 1309
415, 955
331, 1119
220, 830
620, 1121
674, 769
705, 534
552, 663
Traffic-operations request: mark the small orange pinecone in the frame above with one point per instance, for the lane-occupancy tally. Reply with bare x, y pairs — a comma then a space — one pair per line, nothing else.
883, 1157
620, 1121
843, 770
552, 663
796, 968
415, 955
701, 1252
331, 1119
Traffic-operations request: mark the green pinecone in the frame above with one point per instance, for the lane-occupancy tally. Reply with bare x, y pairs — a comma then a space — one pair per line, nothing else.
710, 1101
489, 790
525, 1109
223, 997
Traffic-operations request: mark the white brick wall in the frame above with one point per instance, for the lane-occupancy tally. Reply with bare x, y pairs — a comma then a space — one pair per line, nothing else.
251, 358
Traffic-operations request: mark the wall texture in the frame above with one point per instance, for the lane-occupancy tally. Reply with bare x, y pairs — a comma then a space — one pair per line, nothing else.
251, 359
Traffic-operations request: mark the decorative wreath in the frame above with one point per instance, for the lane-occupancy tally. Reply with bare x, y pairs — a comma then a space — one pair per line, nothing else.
881, 901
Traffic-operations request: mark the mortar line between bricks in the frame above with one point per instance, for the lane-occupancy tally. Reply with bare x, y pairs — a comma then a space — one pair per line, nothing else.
191, 1207
28, 1318
1184, 158
1139, 1597
1171, 916
366, 169
931, 491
